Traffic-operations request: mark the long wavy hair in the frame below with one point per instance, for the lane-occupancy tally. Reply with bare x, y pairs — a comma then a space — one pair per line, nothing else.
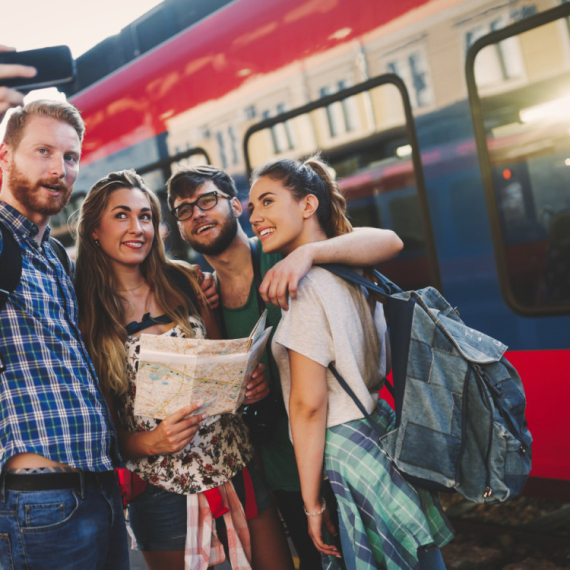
101, 306
311, 177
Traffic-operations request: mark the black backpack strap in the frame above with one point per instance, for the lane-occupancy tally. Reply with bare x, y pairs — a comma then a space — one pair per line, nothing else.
383, 286
10, 265
59, 250
355, 399
256, 262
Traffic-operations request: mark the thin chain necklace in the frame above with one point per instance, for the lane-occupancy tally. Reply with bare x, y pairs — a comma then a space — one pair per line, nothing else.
131, 290
147, 300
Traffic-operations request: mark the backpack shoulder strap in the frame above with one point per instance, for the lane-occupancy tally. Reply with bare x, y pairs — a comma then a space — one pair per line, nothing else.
11, 262
59, 250
382, 285
256, 262
355, 399
10, 265
382, 288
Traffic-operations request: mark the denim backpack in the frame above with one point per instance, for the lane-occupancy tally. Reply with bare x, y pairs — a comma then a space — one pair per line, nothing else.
460, 423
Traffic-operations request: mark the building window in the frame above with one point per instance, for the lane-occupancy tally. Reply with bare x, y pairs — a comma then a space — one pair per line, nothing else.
284, 129
234, 144
499, 62
222, 149
281, 134
413, 70
419, 82
342, 116
250, 113
349, 108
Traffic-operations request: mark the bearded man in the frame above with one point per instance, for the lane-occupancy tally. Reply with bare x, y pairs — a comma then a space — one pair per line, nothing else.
60, 506
204, 201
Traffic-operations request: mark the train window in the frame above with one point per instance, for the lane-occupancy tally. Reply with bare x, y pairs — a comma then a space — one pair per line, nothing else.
366, 134
523, 138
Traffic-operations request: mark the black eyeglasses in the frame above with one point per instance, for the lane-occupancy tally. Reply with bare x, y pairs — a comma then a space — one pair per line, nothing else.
204, 202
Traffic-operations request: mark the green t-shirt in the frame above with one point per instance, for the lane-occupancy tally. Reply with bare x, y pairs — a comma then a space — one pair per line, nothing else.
278, 456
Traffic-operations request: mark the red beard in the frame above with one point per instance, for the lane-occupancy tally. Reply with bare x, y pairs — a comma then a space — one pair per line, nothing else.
33, 197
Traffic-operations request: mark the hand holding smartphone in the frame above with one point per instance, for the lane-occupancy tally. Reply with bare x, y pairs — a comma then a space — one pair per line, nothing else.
54, 65
10, 70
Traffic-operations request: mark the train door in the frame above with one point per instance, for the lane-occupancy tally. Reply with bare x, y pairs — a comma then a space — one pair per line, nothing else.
366, 134
522, 128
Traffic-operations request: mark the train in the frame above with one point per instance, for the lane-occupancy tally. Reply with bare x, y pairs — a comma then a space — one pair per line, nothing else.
447, 121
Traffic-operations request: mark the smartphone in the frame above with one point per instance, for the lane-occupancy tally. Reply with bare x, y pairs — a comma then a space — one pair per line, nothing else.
55, 66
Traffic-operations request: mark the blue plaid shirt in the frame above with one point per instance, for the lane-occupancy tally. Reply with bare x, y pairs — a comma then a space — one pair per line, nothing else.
50, 400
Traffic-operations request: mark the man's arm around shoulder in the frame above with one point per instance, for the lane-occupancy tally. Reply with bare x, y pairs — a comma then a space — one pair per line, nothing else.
363, 247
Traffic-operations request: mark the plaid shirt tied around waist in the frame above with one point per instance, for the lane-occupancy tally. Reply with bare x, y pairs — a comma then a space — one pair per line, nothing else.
50, 400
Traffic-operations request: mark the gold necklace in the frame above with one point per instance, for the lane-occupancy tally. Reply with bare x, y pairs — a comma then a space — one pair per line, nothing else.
131, 290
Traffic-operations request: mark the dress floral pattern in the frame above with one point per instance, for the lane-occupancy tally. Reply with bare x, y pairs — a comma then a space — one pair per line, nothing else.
219, 450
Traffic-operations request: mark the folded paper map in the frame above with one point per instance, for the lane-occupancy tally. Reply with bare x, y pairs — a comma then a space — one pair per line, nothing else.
174, 372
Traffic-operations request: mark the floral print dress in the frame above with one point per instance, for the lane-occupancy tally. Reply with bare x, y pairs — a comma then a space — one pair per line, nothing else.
219, 450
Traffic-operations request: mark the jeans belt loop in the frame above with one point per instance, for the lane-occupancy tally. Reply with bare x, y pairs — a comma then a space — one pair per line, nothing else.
82, 484
3, 488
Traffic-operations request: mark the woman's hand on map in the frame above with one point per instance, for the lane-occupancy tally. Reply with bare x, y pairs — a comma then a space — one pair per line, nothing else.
176, 431
258, 387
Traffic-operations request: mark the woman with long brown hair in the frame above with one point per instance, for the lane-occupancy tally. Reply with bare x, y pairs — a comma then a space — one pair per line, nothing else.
383, 521
193, 464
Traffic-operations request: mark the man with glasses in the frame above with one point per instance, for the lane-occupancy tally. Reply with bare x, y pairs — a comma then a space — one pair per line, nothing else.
204, 201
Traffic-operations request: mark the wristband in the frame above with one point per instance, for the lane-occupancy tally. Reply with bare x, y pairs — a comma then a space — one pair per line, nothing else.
323, 507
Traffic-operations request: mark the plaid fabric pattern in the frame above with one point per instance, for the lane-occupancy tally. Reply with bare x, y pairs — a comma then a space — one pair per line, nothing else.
203, 547
50, 401
385, 517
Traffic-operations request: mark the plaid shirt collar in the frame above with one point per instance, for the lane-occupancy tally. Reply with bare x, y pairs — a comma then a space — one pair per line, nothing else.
24, 228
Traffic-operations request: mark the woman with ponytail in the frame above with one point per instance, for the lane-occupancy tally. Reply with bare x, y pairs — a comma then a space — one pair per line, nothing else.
382, 520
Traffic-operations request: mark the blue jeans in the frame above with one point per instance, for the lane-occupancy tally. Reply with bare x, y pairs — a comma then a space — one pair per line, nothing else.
75, 529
